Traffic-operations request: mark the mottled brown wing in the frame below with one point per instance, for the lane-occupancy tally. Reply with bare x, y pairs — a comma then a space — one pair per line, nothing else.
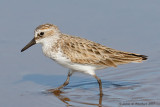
83, 51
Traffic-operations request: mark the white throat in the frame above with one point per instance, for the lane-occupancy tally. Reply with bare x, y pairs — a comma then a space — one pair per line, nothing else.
48, 43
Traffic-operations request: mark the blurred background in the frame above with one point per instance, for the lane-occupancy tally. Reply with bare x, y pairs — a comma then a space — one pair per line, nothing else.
126, 25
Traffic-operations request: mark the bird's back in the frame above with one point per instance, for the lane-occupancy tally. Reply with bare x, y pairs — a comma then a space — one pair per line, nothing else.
83, 51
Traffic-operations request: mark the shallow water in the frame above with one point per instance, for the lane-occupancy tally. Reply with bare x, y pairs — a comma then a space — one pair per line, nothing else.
131, 26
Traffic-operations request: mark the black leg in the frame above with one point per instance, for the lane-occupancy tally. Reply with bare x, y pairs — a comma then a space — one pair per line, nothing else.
100, 85
64, 84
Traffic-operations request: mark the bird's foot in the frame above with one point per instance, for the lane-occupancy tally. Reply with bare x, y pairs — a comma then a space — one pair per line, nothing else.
55, 91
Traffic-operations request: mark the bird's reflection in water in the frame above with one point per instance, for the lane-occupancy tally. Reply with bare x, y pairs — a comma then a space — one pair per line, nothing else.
66, 100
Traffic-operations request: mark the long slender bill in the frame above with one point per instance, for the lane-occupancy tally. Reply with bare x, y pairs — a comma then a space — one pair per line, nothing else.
32, 42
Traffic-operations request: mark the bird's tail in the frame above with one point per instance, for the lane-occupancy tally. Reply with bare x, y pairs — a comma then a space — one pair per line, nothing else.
143, 57
128, 58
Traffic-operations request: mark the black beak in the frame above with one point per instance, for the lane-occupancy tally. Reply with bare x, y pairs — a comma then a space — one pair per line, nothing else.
32, 42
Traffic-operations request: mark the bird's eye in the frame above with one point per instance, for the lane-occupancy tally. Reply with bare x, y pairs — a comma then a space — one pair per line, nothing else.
42, 33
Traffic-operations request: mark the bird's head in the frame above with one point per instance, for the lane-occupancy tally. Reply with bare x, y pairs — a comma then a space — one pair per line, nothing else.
41, 34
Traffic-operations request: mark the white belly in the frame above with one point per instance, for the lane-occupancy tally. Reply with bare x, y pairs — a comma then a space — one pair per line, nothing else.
60, 58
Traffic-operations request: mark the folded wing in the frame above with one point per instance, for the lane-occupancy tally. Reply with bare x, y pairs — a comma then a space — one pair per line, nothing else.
83, 51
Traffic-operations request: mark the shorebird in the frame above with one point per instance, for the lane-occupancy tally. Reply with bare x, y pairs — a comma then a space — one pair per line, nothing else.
79, 54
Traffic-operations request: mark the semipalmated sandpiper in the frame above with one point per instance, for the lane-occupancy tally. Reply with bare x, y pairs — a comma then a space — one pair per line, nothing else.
79, 54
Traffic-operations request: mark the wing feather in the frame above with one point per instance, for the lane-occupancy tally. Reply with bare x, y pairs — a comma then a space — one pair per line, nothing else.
83, 51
